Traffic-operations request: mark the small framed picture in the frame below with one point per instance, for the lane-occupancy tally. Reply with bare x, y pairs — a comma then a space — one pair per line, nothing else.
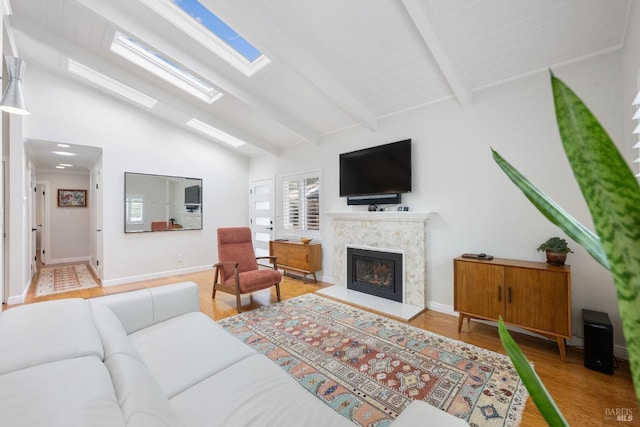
72, 198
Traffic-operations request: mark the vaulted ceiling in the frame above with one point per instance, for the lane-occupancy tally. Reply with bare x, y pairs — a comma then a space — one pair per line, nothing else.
335, 64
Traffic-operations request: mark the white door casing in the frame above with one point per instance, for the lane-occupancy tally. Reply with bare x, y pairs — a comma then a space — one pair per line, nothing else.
33, 204
98, 213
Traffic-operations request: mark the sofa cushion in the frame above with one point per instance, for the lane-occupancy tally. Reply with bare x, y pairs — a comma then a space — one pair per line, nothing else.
112, 333
140, 397
72, 392
142, 308
253, 392
133, 309
38, 333
183, 351
142, 400
175, 300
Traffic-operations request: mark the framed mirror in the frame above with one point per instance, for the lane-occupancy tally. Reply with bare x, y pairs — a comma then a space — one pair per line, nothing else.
161, 203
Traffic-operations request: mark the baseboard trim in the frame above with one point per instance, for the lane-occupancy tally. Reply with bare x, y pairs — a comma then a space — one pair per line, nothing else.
19, 299
151, 276
327, 279
94, 271
619, 351
67, 260
441, 308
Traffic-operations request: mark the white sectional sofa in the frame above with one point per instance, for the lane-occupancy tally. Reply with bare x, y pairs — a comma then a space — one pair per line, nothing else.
149, 358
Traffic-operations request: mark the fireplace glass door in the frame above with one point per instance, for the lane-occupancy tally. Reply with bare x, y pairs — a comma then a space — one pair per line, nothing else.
375, 272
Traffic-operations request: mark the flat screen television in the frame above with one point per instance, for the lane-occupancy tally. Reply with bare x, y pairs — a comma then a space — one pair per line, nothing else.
380, 170
192, 198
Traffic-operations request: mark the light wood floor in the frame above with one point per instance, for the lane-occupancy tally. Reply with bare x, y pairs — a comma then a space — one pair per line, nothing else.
585, 397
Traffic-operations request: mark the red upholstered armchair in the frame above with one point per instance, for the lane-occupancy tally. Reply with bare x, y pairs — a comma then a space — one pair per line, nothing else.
237, 270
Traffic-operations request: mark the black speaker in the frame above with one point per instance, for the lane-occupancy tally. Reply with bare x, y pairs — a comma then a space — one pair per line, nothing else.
598, 341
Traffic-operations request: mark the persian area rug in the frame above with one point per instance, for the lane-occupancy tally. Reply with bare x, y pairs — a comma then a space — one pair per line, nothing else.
369, 368
54, 280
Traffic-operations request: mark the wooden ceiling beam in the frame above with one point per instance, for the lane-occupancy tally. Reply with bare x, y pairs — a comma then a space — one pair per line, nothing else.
421, 13
253, 21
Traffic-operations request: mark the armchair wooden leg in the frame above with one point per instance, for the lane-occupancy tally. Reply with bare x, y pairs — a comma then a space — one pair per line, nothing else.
238, 302
278, 291
215, 281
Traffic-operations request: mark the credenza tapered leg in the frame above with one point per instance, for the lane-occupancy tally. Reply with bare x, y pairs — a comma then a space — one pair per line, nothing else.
460, 320
563, 349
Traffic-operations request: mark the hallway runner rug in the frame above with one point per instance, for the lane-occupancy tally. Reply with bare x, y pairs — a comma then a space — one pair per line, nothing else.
369, 367
54, 280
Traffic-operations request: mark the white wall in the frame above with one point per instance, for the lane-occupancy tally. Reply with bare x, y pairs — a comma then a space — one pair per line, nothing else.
135, 141
477, 208
69, 227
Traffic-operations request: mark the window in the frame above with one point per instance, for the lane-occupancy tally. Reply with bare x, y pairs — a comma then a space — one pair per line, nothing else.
217, 26
147, 59
301, 203
206, 28
135, 209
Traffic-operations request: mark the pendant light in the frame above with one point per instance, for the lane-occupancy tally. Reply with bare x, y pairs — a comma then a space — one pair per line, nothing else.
13, 97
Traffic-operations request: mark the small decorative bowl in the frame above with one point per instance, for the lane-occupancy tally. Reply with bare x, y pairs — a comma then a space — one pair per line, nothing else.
306, 240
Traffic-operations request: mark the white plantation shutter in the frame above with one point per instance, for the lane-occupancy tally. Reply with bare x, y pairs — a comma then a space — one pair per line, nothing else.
301, 203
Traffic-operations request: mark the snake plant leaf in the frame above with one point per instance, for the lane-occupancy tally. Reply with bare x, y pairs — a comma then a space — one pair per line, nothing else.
554, 213
613, 197
538, 392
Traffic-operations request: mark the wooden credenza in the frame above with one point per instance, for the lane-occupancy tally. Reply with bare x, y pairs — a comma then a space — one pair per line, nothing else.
531, 295
305, 258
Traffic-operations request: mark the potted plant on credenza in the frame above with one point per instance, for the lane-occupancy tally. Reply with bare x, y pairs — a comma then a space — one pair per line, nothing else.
556, 250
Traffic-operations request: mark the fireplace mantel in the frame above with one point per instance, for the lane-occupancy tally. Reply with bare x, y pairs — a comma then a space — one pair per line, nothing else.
380, 216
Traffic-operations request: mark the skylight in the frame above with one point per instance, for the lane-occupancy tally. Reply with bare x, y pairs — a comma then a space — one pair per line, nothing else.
207, 29
109, 84
215, 133
214, 24
140, 55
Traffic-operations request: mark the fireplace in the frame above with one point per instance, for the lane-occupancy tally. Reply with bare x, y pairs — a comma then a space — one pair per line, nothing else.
399, 232
375, 272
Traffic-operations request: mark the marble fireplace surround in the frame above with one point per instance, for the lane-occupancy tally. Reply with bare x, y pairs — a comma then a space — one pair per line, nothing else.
403, 232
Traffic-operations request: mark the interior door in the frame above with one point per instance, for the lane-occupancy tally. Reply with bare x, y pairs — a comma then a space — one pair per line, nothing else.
34, 229
40, 221
98, 206
262, 211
